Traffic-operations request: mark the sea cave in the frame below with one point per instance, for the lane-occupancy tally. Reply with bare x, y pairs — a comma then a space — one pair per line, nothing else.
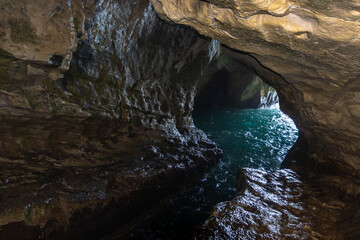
179, 119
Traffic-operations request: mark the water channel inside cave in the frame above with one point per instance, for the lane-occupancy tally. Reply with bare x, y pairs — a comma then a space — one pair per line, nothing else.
255, 138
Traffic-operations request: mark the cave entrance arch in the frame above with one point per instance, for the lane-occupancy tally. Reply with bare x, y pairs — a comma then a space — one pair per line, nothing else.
241, 113
231, 103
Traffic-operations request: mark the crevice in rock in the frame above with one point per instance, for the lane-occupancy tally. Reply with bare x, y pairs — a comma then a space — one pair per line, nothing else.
56, 60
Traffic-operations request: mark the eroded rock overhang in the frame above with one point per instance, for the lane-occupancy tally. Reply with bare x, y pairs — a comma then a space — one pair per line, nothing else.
95, 116
312, 46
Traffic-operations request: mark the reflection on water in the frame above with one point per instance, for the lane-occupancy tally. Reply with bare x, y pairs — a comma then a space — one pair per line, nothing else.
255, 138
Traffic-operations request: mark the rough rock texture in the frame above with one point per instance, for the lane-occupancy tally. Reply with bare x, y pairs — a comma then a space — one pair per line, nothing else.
314, 47
120, 68
282, 205
230, 83
74, 180
95, 115
38, 30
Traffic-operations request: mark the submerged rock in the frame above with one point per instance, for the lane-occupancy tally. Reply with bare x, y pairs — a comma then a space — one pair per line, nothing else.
282, 205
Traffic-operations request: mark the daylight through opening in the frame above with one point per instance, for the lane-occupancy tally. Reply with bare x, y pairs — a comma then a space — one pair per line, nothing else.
241, 114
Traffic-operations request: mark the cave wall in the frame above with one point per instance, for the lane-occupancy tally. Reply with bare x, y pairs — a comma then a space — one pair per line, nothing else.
95, 115
98, 58
228, 82
313, 47
96, 100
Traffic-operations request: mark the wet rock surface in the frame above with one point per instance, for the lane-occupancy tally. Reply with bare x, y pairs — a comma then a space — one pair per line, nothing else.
313, 46
96, 100
123, 65
282, 205
95, 116
86, 181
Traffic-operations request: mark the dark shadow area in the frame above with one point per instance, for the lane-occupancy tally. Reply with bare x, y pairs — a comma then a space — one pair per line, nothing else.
228, 82
96, 177
239, 112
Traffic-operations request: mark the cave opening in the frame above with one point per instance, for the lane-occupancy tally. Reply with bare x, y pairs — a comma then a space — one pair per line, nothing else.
241, 113
98, 132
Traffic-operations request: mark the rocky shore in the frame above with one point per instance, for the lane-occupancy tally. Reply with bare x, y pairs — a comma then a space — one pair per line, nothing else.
283, 205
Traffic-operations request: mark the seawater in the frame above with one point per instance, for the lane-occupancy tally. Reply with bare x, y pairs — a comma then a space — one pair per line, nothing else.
255, 138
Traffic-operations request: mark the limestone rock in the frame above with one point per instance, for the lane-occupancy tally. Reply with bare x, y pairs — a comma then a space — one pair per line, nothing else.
282, 205
230, 83
314, 48
95, 116
62, 179
38, 31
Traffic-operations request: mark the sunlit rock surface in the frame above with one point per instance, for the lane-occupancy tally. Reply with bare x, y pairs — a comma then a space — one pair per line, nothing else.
39, 30
314, 47
282, 205
95, 116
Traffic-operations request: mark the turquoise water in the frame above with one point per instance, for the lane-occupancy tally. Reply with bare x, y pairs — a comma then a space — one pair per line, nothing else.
256, 138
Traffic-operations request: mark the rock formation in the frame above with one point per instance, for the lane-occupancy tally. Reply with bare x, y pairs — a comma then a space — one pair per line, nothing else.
230, 83
95, 109
282, 205
309, 52
96, 100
